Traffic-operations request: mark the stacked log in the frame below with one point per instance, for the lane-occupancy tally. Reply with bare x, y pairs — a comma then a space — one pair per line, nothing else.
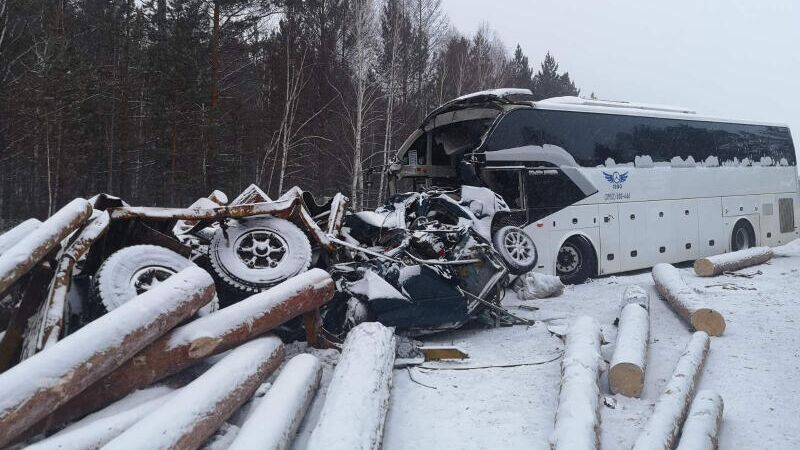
664, 425
577, 424
685, 302
626, 375
35, 387
197, 410
14, 235
273, 424
357, 399
191, 343
729, 262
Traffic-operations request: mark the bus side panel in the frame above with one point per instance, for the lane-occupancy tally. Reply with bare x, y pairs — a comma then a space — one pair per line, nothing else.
711, 227
684, 235
610, 242
636, 235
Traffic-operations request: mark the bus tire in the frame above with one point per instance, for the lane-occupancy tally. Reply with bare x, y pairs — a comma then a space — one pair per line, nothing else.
576, 260
516, 248
742, 236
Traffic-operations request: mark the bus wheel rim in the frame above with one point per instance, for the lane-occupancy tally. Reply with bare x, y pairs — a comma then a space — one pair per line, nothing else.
568, 260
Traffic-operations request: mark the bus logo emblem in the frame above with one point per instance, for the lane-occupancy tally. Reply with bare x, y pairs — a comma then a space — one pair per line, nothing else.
616, 179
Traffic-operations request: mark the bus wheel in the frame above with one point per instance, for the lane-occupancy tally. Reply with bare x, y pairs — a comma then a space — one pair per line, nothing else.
575, 261
742, 236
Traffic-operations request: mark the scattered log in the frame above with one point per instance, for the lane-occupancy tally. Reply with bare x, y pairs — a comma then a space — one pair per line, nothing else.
32, 389
276, 418
357, 400
626, 375
685, 302
46, 330
14, 235
662, 428
729, 262
36, 245
96, 430
577, 424
205, 336
197, 410
701, 430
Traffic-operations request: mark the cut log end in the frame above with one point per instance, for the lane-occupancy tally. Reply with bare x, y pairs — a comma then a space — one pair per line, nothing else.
704, 268
626, 379
708, 320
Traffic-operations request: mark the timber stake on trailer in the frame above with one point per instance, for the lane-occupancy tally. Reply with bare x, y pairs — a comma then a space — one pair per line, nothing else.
685, 302
191, 343
34, 388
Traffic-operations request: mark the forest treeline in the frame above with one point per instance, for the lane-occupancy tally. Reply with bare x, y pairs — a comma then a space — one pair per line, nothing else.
161, 101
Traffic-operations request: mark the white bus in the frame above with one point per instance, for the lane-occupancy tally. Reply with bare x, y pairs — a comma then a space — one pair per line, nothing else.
605, 187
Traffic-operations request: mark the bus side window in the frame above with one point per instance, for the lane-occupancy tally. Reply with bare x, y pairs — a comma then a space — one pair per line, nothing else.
508, 185
549, 191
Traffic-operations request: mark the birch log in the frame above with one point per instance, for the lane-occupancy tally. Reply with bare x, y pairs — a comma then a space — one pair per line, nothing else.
701, 430
577, 424
205, 336
96, 430
626, 375
32, 389
28, 251
664, 425
728, 262
276, 418
686, 302
197, 410
357, 400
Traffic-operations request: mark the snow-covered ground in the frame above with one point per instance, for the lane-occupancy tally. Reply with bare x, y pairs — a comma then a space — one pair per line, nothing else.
505, 395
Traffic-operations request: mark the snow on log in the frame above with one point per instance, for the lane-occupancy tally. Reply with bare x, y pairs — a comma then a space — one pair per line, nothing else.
662, 428
577, 424
32, 389
96, 430
685, 302
276, 418
14, 235
626, 375
357, 399
191, 343
197, 410
45, 330
728, 262
33, 247
701, 430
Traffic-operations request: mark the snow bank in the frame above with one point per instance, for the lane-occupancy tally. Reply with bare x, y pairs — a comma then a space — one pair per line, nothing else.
99, 428
274, 422
196, 411
662, 429
577, 424
357, 399
32, 389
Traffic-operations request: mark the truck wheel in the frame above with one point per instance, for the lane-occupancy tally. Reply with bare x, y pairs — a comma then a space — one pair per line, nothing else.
576, 260
516, 248
257, 253
134, 270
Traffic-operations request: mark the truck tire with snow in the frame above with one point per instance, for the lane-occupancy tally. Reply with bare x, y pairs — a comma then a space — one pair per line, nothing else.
134, 270
516, 248
576, 260
742, 236
257, 253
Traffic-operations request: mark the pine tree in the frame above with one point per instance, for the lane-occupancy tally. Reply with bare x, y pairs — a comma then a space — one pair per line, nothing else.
548, 83
520, 73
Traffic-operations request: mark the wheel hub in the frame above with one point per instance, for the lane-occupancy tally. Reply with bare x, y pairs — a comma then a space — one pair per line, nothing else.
518, 247
148, 278
568, 259
261, 249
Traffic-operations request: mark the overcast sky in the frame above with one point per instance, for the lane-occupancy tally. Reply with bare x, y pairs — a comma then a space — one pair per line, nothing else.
723, 58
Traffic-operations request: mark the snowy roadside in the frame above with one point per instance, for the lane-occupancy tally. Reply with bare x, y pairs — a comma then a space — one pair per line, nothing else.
475, 404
